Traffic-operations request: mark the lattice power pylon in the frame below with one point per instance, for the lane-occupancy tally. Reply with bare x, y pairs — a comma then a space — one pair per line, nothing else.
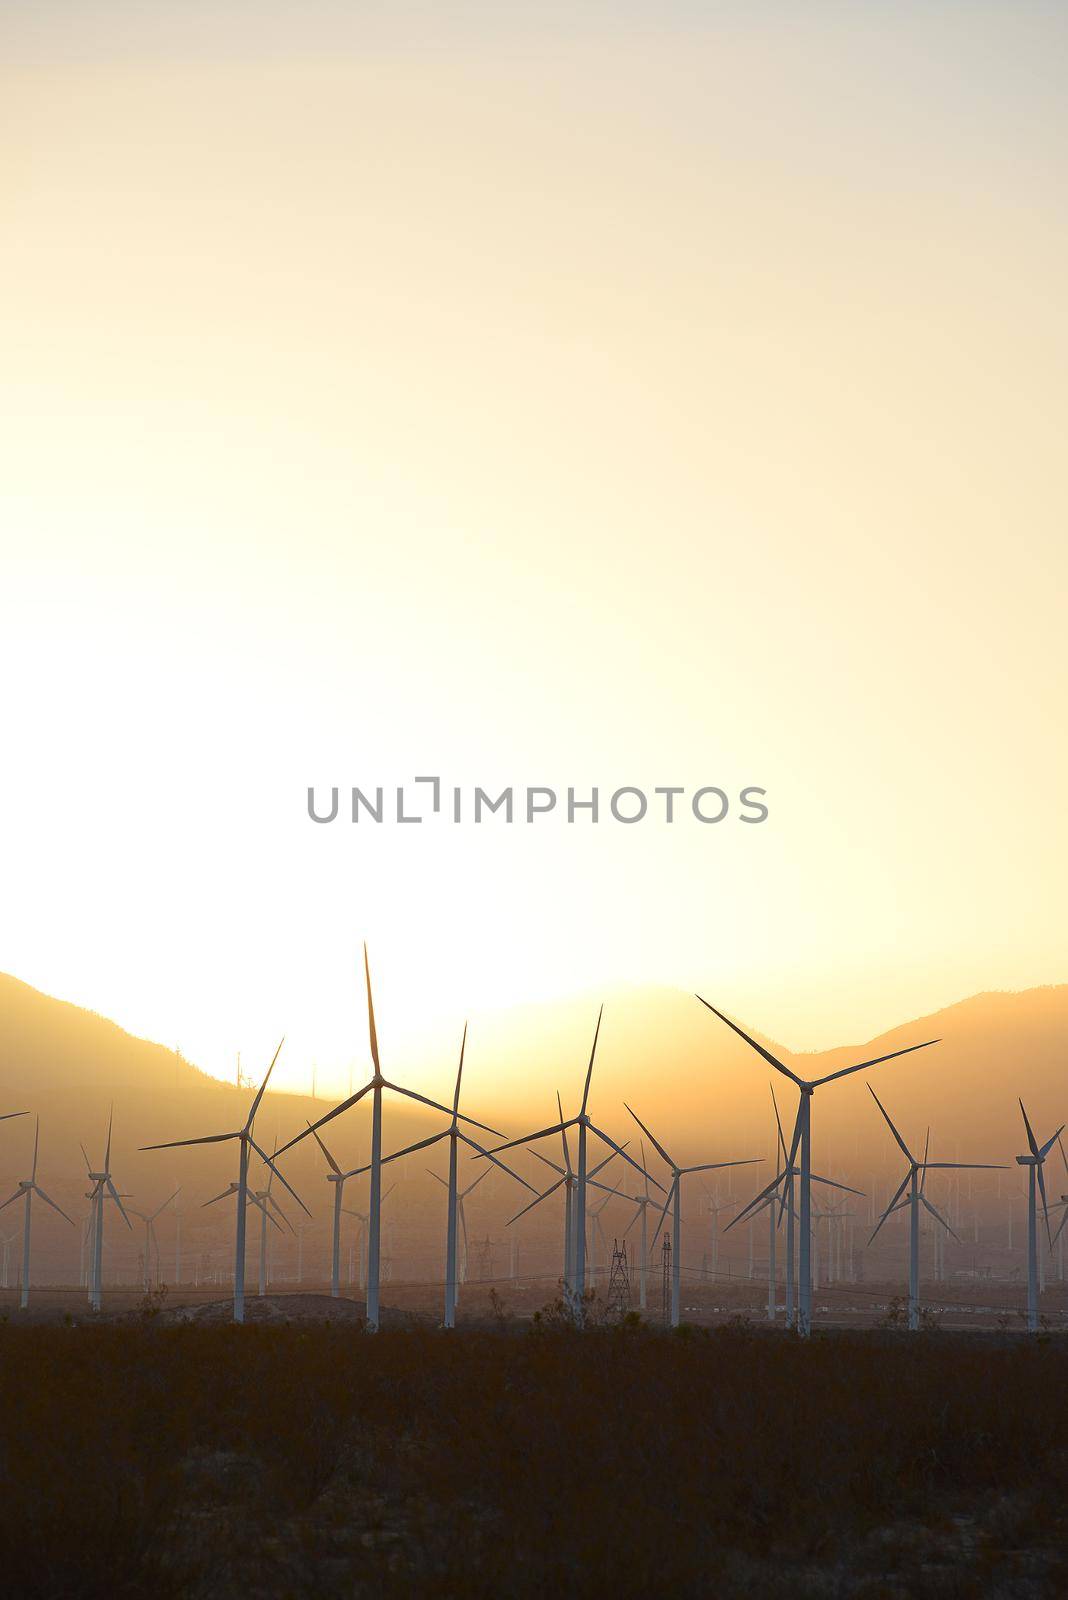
665, 1267
619, 1282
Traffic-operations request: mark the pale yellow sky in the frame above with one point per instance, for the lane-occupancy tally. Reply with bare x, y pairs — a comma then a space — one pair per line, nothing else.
596, 396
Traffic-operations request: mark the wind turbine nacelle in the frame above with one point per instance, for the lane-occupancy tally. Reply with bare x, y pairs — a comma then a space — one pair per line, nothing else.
1026, 1161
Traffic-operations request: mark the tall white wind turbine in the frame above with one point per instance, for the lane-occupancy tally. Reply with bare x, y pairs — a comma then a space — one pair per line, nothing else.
641, 1201
915, 1184
374, 1087
246, 1142
456, 1136
29, 1187
780, 1193
103, 1189
673, 1198
803, 1136
585, 1126
1034, 1161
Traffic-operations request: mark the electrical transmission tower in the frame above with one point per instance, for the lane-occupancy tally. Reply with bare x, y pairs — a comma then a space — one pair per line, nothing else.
484, 1256
665, 1267
619, 1282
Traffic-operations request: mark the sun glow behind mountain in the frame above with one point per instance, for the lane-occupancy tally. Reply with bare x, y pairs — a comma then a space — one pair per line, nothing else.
497, 397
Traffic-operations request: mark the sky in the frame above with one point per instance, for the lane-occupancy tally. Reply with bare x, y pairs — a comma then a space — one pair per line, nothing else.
569, 396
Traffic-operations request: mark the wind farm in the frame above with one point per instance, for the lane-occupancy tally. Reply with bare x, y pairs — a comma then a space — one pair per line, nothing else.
550, 1307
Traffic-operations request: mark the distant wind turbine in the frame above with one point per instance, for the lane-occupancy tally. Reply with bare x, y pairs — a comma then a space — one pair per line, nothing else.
780, 1192
103, 1189
456, 1136
916, 1198
585, 1126
246, 1142
29, 1187
151, 1242
802, 1136
374, 1087
1034, 1162
672, 1201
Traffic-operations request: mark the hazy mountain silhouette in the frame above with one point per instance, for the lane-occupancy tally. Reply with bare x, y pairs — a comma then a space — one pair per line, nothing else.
700, 1088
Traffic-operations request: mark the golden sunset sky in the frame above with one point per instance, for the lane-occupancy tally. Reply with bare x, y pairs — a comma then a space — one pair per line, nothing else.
567, 395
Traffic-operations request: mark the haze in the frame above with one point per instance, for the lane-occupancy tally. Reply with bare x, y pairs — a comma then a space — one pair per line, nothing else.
527, 400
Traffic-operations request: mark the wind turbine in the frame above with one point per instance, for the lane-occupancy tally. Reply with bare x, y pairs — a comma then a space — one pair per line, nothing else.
29, 1187
246, 1142
569, 1180
338, 1179
585, 1126
363, 1218
917, 1198
456, 1137
770, 1195
103, 1188
374, 1087
672, 1200
151, 1242
1034, 1161
267, 1200
641, 1202
803, 1135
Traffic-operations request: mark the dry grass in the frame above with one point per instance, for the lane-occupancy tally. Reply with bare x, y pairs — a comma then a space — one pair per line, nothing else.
284, 1461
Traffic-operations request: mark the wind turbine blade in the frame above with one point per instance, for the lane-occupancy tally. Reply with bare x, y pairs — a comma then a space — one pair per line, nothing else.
36, 1141
906, 1180
536, 1201
345, 1105
254, 1200
437, 1106
434, 1175
89, 1164
1042, 1192
545, 1160
226, 1192
830, 1182
49, 1202
263, 1086
641, 1147
938, 1216
589, 1069
483, 1174
1064, 1158
874, 1062
421, 1144
657, 1146
107, 1148
165, 1204
459, 1075
118, 1201
563, 1134
926, 1151
1048, 1146
672, 1194
902, 1146
463, 1223
778, 1124
282, 1180
16, 1196
963, 1166
772, 1061
177, 1144
528, 1138
9, 1114
592, 1183
609, 1158
714, 1166
333, 1164
758, 1200
480, 1150
619, 1150
1030, 1134
371, 1014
